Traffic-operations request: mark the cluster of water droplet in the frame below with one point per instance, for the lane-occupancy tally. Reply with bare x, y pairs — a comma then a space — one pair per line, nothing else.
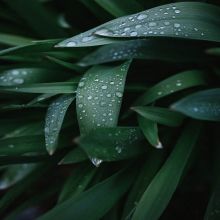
99, 96
156, 21
14, 77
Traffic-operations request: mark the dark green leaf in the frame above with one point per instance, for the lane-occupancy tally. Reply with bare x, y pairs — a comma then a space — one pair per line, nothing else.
159, 192
204, 105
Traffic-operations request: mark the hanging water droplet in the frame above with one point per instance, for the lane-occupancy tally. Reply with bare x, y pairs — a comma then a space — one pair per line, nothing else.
96, 161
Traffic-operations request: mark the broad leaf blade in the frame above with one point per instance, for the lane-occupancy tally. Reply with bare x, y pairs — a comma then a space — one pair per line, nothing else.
99, 96
112, 144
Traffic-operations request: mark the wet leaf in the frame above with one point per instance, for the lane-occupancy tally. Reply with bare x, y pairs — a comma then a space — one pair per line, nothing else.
99, 96
204, 105
54, 120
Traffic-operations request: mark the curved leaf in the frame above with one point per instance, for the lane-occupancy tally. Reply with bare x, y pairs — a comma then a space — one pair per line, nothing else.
190, 20
150, 49
111, 144
204, 105
99, 96
159, 192
160, 115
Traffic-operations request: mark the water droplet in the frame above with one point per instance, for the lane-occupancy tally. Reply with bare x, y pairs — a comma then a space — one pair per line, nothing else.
119, 94
195, 109
138, 26
18, 81
104, 87
71, 44
178, 84
159, 93
176, 25
177, 11
80, 105
46, 130
133, 34
108, 95
96, 161
89, 97
102, 32
127, 29
159, 145
152, 24
81, 84
86, 39
166, 23
141, 16
15, 72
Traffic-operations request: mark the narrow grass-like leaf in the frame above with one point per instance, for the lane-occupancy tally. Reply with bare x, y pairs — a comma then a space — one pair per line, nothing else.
213, 208
178, 82
37, 17
115, 186
160, 115
159, 192
111, 144
77, 182
14, 173
150, 49
99, 96
14, 40
150, 131
148, 170
120, 8
54, 120
75, 156
204, 105
191, 20
56, 88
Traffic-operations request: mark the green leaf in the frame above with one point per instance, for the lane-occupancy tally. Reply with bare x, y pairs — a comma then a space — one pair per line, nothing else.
204, 105
37, 17
190, 20
150, 49
115, 186
18, 76
112, 144
54, 120
178, 82
14, 40
99, 96
160, 191
15, 173
150, 131
149, 169
160, 115
74, 156
77, 182
55, 88
120, 8
22, 145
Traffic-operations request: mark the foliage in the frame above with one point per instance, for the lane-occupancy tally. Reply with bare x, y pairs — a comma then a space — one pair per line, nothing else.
109, 109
